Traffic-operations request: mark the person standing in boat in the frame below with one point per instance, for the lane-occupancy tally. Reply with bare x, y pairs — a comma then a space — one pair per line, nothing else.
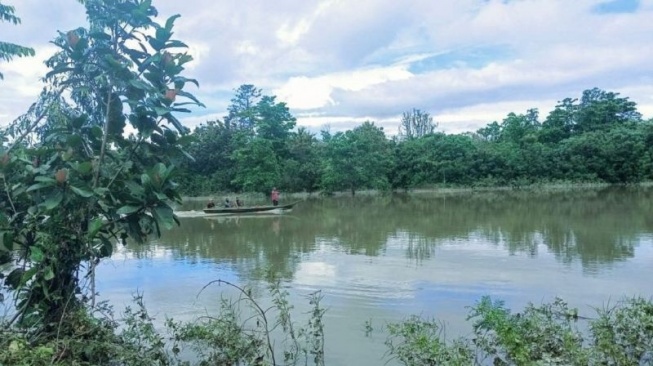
275, 196
239, 203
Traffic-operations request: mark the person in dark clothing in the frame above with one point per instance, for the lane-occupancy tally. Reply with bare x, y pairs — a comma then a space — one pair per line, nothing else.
239, 203
211, 204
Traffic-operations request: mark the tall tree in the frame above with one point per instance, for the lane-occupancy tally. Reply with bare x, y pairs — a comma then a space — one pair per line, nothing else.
415, 124
81, 184
599, 109
242, 111
491, 132
274, 123
560, 122
258, 167
213, 166
520, 128
356, 159
301, 171
9, 50
596, 110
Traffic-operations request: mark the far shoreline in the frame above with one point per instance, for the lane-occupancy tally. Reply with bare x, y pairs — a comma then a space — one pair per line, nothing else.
535, 187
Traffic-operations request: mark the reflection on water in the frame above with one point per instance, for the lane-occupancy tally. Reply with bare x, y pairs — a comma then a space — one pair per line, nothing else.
387, 257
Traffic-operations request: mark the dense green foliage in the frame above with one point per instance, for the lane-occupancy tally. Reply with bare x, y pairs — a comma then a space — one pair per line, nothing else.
549, 334
239, 332
73, 182
599, 138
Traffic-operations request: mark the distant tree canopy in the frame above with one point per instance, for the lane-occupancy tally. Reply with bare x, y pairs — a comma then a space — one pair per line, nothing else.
355, 159
416, 124
599, 137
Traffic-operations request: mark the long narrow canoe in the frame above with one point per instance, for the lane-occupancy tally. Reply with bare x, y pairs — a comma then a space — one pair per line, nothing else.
251, 209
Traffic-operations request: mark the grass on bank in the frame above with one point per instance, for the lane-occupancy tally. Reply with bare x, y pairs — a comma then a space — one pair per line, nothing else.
549, 186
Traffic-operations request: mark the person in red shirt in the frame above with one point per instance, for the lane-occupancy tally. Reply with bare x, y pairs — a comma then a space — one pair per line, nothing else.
275, 196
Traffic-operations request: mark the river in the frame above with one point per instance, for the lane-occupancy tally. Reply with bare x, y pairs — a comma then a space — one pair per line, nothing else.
382, 258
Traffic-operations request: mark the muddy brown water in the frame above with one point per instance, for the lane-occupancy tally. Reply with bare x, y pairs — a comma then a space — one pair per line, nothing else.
382, 258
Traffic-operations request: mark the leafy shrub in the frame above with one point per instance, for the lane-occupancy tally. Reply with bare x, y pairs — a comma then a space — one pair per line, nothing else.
549, 334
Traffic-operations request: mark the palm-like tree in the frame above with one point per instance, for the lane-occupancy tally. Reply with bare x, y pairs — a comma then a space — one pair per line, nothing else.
9, 50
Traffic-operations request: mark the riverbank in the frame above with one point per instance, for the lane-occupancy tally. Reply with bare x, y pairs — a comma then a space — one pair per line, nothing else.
259, 198
548, 333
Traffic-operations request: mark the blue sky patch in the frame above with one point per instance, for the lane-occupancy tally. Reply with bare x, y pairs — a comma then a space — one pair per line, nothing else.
476, 57
617, 6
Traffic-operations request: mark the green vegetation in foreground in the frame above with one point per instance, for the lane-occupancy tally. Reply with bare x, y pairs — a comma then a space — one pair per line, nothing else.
241, 333
549, 334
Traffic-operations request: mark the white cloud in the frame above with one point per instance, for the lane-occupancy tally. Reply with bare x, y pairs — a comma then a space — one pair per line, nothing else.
311, 93
351, 61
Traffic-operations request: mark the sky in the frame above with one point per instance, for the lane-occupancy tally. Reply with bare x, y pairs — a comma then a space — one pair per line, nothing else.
338, 63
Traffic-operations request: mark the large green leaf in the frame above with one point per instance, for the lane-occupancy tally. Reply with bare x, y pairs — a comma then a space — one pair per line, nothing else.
139, 84
38, 186
83, 168
145, 180
181, 80
161, 111
163, 35
53, 201
74, 140
171, 21
128, 209
175, 44
5, 258
27, 275
190, 96
7, 240
13, 278
43, 179
48, 274
135, 189
81, 192
36, 254
94, 227
164, 216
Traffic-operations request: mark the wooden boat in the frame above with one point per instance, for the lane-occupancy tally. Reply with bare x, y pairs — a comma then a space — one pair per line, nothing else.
248, 210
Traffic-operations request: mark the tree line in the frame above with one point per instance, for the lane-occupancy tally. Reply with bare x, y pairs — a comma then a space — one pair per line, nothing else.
599, 137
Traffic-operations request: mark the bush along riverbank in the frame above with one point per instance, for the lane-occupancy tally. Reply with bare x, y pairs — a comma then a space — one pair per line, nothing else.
240, 332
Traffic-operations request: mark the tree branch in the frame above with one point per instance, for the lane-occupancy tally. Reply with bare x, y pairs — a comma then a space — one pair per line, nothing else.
35, 123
